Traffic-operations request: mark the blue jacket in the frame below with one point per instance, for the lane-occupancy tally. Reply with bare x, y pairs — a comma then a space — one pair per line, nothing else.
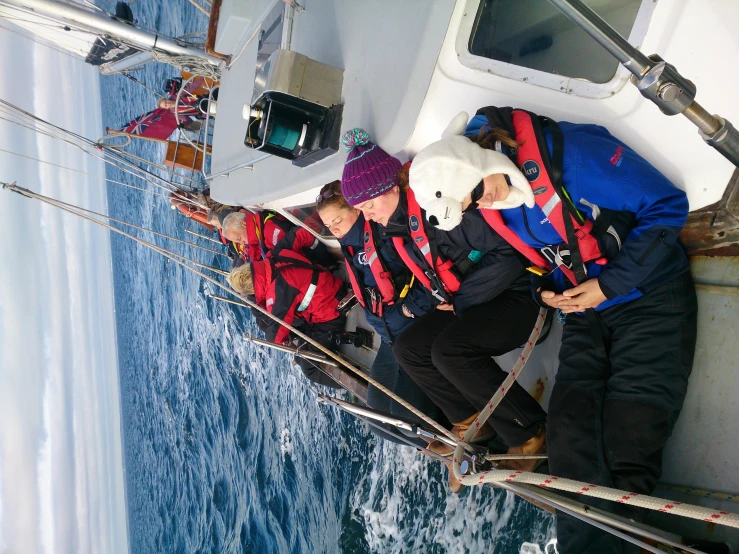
418, 300
599, 170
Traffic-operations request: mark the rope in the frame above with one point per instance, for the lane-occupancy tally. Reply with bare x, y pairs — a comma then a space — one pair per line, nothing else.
85, 210
99, 177
570, 485
135, 80
45, 128
423, 417
189, 64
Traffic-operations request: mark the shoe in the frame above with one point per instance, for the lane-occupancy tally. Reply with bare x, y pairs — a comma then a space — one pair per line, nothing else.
455, 485
535, 445
483, 434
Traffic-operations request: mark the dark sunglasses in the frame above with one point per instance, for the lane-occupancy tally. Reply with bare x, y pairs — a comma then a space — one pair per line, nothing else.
475, 196
325, 196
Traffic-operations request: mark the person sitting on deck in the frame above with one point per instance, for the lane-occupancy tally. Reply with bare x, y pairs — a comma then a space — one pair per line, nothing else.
389, 307
301, 293
600, 226
483, 306
255, 234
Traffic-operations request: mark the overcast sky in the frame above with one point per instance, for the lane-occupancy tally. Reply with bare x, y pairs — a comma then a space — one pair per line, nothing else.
61, 475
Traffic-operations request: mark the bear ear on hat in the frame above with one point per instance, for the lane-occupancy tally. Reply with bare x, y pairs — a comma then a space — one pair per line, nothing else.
456, 126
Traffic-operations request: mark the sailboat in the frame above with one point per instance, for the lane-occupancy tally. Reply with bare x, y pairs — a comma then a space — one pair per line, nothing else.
294, 77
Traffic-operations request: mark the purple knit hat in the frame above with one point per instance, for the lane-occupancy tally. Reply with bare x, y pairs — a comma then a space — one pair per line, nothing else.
369, 171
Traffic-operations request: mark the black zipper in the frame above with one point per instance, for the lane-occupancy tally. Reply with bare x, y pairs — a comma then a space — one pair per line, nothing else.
528, 229
655, 243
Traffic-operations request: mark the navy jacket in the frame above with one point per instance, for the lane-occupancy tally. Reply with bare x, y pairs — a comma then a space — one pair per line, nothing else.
599, 171
495, 266
418, 300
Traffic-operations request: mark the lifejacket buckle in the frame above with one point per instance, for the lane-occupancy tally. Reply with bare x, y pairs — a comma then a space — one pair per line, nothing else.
558, 258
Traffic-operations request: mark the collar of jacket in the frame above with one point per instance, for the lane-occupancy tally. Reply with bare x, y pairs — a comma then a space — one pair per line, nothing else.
354, 236
397, 225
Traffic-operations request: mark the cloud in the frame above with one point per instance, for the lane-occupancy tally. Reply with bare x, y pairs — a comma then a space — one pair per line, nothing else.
61, 478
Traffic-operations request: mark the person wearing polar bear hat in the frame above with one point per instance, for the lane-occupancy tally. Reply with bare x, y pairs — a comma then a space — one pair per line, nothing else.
599, 226
482, 300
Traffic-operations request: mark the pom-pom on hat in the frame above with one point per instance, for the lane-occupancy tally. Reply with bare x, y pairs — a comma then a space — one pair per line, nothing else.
369, 171
446, 171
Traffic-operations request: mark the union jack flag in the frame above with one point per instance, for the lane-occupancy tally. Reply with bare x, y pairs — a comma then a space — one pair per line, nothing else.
159, 123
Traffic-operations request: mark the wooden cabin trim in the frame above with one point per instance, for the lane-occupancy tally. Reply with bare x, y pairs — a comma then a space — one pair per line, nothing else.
714, 230
210, 40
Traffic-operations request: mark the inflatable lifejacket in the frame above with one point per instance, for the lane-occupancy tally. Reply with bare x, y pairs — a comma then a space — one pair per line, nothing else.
386, 291
579, 244
255, 231
181, 201
437, 275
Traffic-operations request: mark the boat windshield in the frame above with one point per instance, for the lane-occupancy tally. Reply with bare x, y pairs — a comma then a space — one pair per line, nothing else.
536, 35
309, 217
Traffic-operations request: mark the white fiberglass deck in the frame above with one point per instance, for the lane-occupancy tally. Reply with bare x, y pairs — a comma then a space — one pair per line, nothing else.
388, 52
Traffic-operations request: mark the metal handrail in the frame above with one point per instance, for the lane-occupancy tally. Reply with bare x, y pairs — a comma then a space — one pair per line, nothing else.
657, 80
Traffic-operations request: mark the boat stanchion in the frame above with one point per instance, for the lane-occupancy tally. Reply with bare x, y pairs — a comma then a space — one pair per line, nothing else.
656, 80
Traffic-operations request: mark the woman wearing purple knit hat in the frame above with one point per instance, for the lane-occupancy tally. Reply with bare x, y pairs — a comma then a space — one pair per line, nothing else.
484, 307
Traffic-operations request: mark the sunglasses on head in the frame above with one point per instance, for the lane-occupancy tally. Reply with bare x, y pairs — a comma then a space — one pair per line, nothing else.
325, 196
475, 196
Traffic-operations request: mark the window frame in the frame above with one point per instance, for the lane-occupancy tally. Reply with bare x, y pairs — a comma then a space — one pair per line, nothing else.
561, 83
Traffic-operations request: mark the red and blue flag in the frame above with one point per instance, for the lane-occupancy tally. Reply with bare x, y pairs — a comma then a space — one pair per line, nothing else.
159, 123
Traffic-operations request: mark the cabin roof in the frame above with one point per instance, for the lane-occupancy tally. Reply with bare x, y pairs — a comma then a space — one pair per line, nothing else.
388, 51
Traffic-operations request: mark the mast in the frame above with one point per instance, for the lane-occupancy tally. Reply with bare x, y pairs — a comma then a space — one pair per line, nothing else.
78, 16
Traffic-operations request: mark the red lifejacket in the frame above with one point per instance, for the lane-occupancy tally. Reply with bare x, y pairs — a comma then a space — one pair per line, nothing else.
261, 237
438, 276
388, 293
530, 160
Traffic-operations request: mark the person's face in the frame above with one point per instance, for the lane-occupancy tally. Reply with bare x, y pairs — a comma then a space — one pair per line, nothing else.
495, 189
167, 104
236, 235
338, 220
380, 208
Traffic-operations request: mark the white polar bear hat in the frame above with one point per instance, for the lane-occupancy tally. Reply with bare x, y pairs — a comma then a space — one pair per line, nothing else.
446, 171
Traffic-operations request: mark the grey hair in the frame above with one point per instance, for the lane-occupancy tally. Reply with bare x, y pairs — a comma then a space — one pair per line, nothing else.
233, 221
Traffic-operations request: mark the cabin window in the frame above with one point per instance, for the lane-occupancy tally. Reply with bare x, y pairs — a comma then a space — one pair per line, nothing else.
308, 216
535, 35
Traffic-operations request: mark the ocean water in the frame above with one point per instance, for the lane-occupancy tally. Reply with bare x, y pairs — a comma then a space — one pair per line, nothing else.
226, 448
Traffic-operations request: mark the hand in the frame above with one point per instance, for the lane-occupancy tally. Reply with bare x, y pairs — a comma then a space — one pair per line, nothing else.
445, 307
406, 312
582, 297
552, 299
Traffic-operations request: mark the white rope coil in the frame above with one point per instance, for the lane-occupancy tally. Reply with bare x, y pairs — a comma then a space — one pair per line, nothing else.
189, 64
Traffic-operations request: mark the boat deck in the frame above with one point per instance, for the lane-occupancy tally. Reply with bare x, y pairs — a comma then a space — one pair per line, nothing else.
379, 55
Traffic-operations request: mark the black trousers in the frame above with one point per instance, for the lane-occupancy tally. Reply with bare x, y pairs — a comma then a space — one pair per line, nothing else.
450, 359
320, 333
388, 373
622, 379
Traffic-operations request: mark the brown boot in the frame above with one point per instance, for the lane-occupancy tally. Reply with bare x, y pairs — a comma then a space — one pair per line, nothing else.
535, 445
455, 485
484, 433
